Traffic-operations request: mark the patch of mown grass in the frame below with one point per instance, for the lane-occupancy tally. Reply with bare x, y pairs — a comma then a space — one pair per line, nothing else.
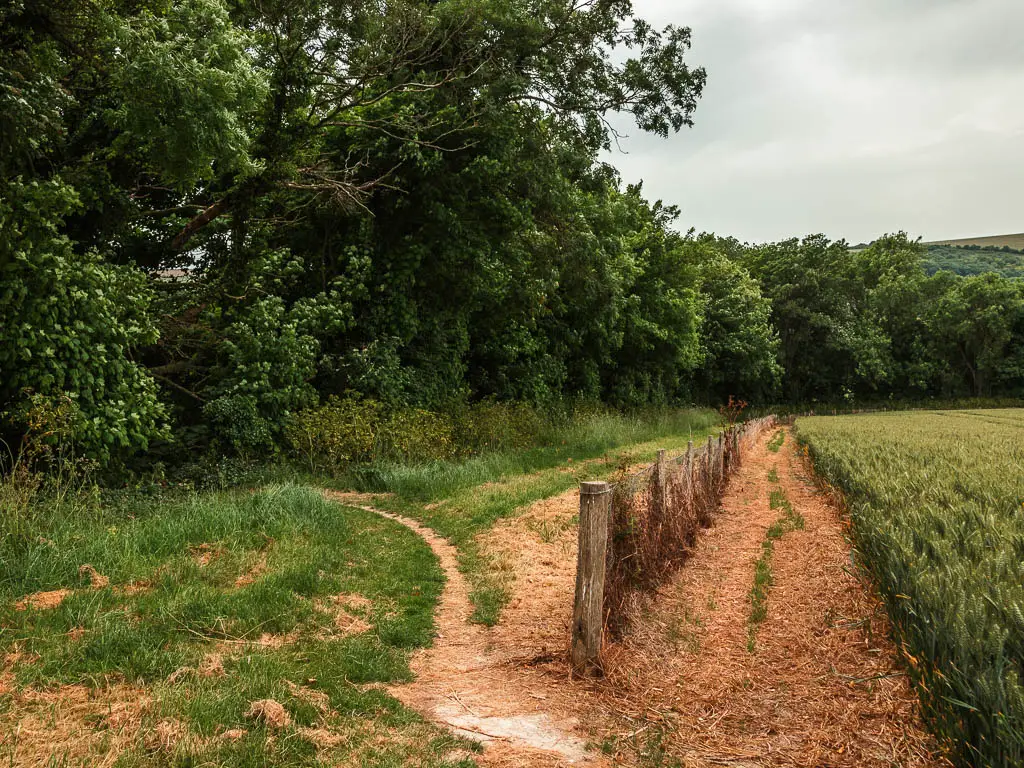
773, 475
790, 520
248, 577
777, 440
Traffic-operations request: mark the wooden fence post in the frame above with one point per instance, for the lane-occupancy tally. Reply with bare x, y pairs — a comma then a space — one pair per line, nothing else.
588, 609
689, 472
660, 470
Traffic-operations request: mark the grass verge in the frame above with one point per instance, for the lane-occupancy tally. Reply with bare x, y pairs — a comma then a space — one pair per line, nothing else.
461, 500
180, 617
462, 517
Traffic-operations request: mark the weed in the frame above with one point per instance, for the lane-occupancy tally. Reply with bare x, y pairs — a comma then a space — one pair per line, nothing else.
763, 580
777, 440
773, 475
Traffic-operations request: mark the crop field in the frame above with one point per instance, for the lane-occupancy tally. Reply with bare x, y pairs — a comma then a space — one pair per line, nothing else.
992, 241
936, 501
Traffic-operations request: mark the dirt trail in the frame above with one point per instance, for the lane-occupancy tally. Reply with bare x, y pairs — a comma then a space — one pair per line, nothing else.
821, 688
469, 684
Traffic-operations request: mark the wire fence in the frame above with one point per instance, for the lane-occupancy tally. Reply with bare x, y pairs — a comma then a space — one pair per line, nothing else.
657, 513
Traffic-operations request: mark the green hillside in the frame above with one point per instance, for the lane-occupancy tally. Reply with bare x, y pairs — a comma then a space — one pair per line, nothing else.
974, 260
992, 241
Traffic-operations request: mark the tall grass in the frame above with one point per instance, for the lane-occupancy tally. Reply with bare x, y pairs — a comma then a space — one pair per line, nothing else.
583, 435
937, 507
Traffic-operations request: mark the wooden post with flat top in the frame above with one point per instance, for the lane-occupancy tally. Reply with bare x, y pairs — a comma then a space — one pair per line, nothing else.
661, 471
588, 610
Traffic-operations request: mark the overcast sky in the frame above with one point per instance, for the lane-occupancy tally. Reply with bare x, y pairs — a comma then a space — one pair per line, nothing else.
848, 117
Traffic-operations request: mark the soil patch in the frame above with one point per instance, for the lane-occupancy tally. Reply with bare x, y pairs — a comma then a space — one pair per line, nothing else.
205, 553
43, 601
96, 579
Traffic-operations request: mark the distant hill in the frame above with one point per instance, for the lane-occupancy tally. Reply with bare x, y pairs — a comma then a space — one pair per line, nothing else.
971, 259
995, 241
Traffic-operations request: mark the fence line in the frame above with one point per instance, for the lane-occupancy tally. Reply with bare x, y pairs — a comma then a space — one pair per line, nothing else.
635, 533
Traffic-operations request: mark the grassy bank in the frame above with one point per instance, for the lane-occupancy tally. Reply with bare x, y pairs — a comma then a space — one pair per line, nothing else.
937, 506
183, 616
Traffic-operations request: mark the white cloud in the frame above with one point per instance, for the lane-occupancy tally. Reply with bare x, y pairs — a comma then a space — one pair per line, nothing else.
851, 119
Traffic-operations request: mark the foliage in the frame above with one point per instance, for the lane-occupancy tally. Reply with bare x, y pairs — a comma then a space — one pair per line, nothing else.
968, 260
335, 434
277, 203
935, 501
266, 364
70, 324
868, 324
739, 343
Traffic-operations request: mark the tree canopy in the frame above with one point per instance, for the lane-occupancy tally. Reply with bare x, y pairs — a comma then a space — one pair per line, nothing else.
217, 213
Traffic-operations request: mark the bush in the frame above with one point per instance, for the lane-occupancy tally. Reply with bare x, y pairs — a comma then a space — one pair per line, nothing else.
68, 324
414, 436
267, 359
237, 421
494, 426
349, 430
333, 435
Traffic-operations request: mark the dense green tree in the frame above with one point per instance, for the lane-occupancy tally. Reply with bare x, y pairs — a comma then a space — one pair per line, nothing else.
102, 105
830, 343
973, 323
740, 346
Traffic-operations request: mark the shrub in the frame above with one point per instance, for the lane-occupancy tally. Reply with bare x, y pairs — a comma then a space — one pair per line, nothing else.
495, 426
68, 324
412, 435
237, 421
335, 434
266, 361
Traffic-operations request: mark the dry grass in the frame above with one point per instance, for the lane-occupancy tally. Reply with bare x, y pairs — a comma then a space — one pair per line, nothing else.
82, 725
992, 241
823, 688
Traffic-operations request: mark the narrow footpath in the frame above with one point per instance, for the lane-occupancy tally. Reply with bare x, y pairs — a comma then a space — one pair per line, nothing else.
689, 686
